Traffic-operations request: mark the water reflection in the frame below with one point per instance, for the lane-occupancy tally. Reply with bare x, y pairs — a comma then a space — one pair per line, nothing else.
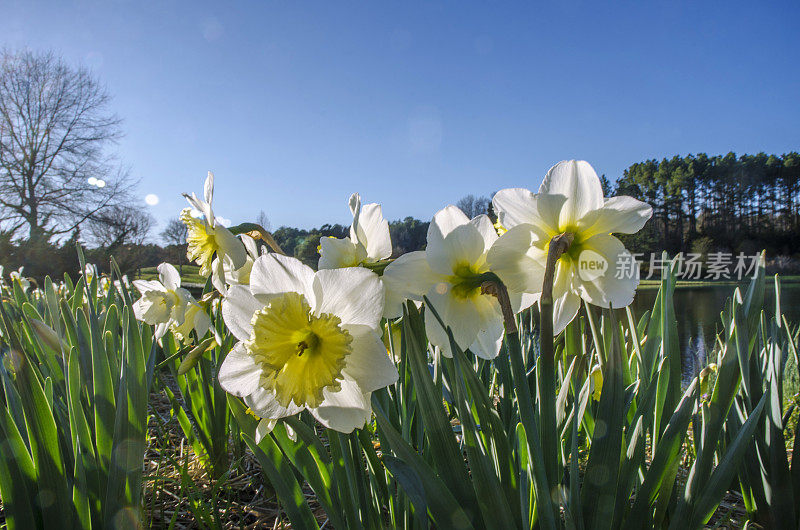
698, 309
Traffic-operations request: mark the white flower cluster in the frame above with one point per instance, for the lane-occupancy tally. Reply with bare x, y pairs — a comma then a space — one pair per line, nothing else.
312, 340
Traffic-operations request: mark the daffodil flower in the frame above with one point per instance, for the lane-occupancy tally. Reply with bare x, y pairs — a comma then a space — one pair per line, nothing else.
306, 341
369, 240
570, 200
369, 244
450, 273
17, 275
163, 303
207, 237
90, 271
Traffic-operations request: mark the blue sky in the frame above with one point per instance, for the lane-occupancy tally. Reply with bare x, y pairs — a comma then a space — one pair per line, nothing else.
295, 105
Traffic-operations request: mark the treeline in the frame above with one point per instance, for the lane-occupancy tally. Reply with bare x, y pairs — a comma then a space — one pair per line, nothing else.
46, 258
407, 235
724, 203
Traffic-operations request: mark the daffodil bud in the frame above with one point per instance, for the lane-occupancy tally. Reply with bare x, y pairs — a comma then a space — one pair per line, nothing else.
597, 383
705, 377
48, 336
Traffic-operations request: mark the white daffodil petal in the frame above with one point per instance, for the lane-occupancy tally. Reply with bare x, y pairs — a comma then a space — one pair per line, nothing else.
354, 294
344, 410
517, 260
522, 301
208, 188
240, 276
264, 427
337, 253
369, 364
566, 301
184, 298
488, 342
148, 285
443, 222
515, 206
218, 276
549, 208
458, 314
565, 309
620, 214
485, 229
250, 245
239, 374
607, 289
205, 208
202, 323
354, 202
238, 308
169, 276
140, 307
264, 404
410, 276
463, 246
154, 307
275, 274
578, 182
490, 328
373, 232
161, 330
196, 204
230, 245
393, 305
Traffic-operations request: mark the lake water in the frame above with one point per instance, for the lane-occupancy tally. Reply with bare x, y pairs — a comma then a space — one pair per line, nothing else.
698, 309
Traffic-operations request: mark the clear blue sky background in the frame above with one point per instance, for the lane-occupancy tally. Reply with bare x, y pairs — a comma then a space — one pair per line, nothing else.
295, 105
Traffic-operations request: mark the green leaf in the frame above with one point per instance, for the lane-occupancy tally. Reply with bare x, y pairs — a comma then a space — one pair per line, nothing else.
658, 480
488, 491
443, 507
314, 467
276, 469
445, 453
602, 469
411, 483
716, 486
17, 477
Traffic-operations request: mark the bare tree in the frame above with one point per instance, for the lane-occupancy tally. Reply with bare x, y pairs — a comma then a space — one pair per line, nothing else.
263, 221
175, 232
174, 235
54, 132
473, 206
115, 226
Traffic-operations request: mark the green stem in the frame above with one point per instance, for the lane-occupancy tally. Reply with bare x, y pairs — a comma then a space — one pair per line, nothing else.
542, 487
379, 266
545, 368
